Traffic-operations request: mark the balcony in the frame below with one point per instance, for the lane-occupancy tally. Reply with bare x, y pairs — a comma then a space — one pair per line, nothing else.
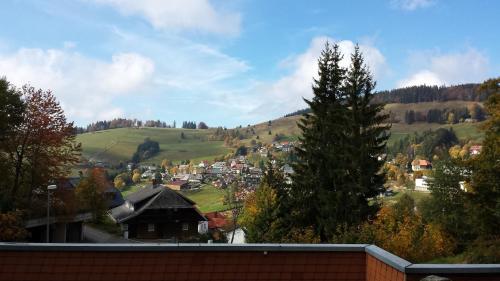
24, 261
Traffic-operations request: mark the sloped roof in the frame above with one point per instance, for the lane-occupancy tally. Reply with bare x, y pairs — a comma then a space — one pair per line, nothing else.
170, 199
159, 197
142, 194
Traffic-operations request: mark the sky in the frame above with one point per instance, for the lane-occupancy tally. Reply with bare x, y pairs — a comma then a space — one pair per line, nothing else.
233, 62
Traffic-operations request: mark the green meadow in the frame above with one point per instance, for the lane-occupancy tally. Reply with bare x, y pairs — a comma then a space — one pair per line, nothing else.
118, 145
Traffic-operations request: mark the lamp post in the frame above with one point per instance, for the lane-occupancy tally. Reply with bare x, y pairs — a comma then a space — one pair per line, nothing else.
49, 188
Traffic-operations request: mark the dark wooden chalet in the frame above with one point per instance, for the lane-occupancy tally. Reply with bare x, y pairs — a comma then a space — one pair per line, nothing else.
158, 213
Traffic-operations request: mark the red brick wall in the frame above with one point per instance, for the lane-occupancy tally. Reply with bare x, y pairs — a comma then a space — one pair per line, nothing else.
187, 265
377, 270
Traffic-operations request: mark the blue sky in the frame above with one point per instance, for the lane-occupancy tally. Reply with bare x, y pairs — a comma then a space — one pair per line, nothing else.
232, 62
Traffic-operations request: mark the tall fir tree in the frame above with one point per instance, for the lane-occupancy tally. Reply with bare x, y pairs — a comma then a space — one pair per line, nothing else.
318, 176
342, 139
367, 137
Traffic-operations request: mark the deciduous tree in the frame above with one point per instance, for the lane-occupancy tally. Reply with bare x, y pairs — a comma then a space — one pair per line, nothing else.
43, 146
91, 191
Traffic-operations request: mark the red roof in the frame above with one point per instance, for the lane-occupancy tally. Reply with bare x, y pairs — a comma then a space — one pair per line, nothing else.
216, 220
424, 163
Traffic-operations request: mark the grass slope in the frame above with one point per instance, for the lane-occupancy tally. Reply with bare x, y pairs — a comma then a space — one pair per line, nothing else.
288, 125
118, 145
207, 198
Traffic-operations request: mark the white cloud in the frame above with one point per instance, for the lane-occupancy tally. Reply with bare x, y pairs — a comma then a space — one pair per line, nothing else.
447, 69
85, 87
180, 14
410, 5
285, 95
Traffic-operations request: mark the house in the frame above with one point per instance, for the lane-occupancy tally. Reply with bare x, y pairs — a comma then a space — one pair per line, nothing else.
287, 169
178, 185
65, 221
198, 170
62, 229
183, 169
475, 149
420, 165
421, 184
157, 212
216, 220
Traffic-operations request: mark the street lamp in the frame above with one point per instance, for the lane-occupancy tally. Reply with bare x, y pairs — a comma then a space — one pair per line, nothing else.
49, 188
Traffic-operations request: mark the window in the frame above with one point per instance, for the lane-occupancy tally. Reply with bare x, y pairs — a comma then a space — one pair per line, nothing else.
185, 226
151, 227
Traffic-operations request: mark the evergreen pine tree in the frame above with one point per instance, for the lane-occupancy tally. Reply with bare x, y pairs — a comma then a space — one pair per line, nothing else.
319, 171
367, 138
338, 170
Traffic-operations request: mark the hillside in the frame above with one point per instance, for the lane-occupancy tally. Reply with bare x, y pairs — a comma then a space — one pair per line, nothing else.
118, 145
288, 126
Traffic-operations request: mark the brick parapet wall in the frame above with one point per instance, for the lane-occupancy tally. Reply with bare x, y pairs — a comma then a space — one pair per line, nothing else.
220, 262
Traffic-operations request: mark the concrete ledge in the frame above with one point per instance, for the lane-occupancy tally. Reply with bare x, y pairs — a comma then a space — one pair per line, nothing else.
146, 247
453, 269
390, 259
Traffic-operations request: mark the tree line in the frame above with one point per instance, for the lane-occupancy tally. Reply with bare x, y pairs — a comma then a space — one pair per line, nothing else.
123, 123
135, 123
423, 93
447, 115
192, 125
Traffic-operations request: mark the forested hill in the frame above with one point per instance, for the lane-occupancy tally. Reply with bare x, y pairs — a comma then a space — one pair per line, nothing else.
423, 93
416, 94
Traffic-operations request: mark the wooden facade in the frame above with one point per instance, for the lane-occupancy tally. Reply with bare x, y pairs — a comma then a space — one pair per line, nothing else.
158, 213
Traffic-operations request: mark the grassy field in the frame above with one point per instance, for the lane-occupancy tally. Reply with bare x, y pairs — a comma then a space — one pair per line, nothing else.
133, 188
416, 195
118, 145
469, 131
288, 126
207, 198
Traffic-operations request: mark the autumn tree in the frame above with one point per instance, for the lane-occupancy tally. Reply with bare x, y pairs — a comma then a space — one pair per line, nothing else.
90, 193
263, 216
400, 229
119, 182
12, 227
166, 164
42, 147
136, 176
